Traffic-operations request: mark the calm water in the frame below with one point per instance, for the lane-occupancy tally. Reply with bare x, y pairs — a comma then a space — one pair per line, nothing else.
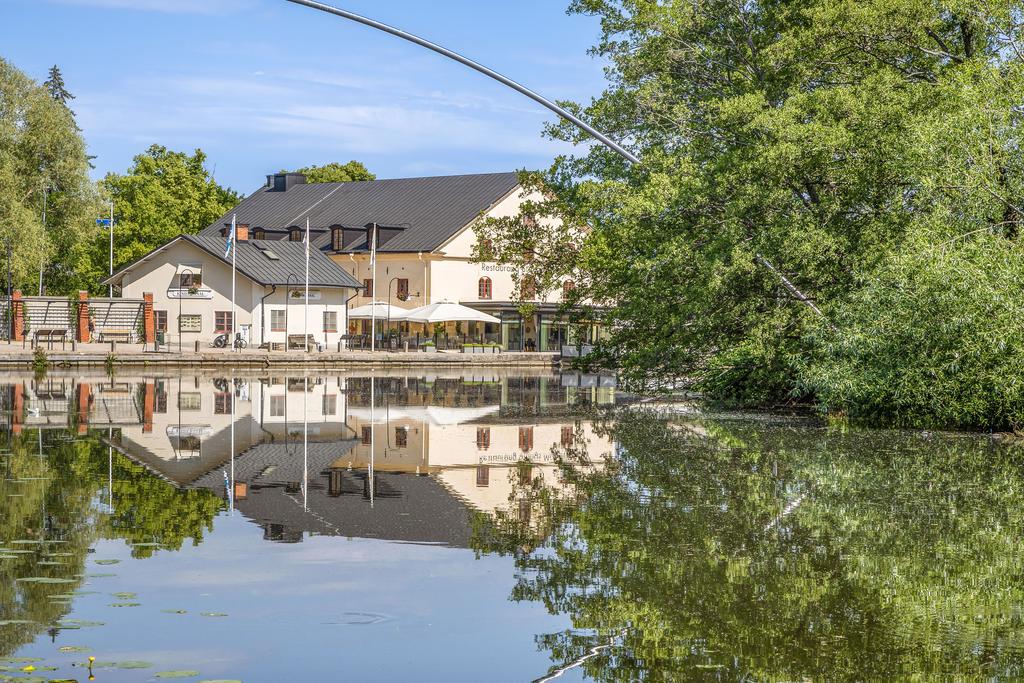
490, 527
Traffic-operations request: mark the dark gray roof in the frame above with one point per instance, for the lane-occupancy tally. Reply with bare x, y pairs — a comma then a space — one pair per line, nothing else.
280, 463
252, 261
434, 209
407, 507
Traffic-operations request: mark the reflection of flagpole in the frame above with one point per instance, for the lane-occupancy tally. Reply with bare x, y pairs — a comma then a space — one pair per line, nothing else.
305, 446
231, 389
373, 433
110, 472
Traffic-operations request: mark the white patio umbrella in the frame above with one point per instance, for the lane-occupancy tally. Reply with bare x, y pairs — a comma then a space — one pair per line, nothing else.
448, 311
379, 310
435, 415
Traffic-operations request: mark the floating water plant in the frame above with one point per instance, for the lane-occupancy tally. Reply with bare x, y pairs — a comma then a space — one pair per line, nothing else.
78, 623
177, 674
105, 562
129, 664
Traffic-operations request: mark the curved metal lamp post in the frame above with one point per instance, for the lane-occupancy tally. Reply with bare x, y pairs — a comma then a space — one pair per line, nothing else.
561, 111
451, 54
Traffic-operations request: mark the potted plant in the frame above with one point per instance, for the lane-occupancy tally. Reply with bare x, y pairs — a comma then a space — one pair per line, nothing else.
429, 347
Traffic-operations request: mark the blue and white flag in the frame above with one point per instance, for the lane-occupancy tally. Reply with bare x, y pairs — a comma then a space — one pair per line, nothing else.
231, 239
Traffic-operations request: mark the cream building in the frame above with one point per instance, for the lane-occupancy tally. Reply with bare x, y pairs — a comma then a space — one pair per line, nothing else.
422, 231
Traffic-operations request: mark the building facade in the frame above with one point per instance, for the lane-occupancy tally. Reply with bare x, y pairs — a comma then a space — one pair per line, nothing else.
420, 231
190, 280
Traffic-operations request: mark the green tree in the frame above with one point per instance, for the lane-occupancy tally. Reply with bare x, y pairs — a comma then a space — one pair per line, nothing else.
824, 138
352, 172
164, 194
42, 158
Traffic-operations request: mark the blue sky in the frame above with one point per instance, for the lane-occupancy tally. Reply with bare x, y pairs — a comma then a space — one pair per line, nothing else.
262, 85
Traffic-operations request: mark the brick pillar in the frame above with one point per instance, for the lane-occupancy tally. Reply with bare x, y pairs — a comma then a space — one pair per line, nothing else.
84, 395
148, 403
148, 319
18, 414
82, 333
19, 316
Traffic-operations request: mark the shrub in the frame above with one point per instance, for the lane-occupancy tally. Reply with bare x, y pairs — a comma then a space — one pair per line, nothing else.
934, 338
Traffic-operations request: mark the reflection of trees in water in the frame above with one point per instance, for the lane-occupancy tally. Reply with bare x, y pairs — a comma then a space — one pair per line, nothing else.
732, 550
53, 498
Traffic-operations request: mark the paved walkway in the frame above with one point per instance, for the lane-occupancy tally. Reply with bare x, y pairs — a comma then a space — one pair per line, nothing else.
18, 355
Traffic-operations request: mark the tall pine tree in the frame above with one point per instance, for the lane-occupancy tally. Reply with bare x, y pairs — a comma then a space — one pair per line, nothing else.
54, 85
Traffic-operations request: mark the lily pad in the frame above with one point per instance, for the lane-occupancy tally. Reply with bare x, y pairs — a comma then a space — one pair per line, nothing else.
130, 664
99, 576
20, 660
177, 674
50, 563
44, 579
213, 614
221, 680
124, 596
174, 611
74, 648
78, 623
125, 604
104, 562
145, 545
14, 622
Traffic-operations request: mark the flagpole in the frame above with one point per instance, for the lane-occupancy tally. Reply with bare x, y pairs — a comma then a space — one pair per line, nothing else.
373, 288
305, 309
234, 310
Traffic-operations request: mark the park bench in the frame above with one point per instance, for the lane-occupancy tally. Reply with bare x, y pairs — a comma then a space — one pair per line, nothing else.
298, 341
51, 333
115, 334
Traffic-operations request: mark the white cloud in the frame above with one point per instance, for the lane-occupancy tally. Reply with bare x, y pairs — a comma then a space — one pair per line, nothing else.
170, 6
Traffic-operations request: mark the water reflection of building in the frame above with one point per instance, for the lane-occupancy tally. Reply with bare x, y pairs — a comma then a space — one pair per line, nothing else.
410, 465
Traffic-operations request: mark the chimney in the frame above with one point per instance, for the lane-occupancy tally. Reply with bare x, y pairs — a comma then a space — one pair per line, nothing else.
242, 232
282, 182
